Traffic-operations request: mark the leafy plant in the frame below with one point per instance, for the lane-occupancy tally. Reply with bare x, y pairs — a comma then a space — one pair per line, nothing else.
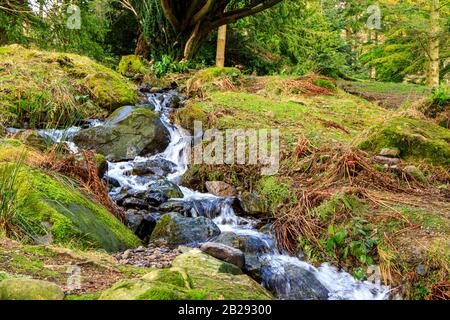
8, 177
441, 95
167, 65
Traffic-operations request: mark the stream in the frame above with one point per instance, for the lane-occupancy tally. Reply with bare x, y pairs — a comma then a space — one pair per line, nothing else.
287, 277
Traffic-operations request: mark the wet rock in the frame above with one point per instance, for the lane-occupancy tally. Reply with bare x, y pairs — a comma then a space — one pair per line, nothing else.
224, 253
133, 220
112, 182
159, 167
253, 204
293, 281
155, 198
170, 189
147, 225
183, 207
134, 203
120, 197
210, 208
220, 188
386, 160
175, 102
32, 138
174, 229
127, 133
29, 289
252, 246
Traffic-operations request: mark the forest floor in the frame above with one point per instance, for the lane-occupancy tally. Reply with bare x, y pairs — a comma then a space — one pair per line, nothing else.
389, 95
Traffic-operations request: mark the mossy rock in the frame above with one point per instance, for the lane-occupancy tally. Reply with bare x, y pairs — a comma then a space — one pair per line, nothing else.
132, 65
415, 139
128, 132
174, 229
40, 88
186, 117
194, 276
32, 138
47, 207
29, 289
205, 78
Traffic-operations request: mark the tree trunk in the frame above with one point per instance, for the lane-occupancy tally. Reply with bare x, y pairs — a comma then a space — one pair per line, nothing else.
142, 47
221, 45
433, 67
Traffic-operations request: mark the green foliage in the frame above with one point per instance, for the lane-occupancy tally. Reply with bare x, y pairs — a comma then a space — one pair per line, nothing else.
441, 96
345, 239
167, 65
294, 37
327, 84
52, 24
275, 191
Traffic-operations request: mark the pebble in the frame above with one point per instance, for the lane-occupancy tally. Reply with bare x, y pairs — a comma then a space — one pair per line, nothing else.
152, 256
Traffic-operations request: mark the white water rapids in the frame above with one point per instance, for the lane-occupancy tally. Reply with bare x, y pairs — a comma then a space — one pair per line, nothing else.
339, 284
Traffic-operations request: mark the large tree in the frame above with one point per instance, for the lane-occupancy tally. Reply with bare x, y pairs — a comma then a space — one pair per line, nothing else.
179, 28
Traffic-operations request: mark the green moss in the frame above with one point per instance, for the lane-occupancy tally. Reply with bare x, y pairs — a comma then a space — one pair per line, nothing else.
327, 84
186, 117
29, 289
205, 79
131, 65
293, 116
415, 139
75, 220
55, 89
209, 74
86, 296
195, 276
275, 191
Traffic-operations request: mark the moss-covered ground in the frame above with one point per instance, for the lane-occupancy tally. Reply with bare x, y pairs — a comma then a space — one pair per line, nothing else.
48, 89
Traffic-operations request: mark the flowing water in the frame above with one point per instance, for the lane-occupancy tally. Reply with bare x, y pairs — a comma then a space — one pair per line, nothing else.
280, 271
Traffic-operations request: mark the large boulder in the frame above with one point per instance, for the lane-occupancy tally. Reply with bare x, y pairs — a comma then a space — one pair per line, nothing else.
159, 167
174, 229
127, 133
168, 188
414, 139
194, 276
50, 208
29, 289
293, 281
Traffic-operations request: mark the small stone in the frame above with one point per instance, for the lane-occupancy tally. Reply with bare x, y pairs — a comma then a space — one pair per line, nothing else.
390, 153
126, 254
421, 270
140, 249
386, 160
220, 188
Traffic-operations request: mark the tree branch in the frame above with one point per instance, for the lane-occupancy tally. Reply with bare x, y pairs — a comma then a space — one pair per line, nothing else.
169, 15
232, 16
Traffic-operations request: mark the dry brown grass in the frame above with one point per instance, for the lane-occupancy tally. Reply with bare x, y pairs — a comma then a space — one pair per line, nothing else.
83, 169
